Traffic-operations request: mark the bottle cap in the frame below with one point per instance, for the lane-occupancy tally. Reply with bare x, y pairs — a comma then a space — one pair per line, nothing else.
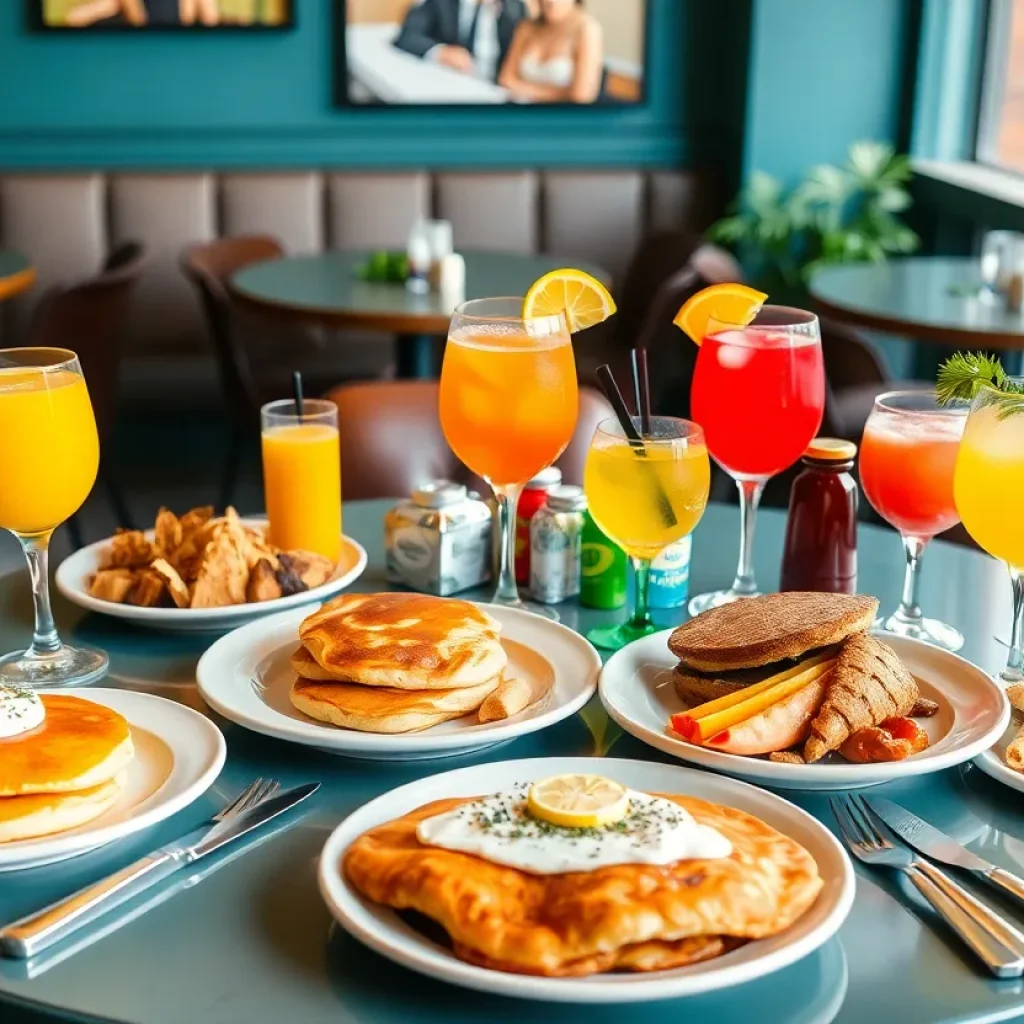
545, 479
566, 498
439, 494
830, 449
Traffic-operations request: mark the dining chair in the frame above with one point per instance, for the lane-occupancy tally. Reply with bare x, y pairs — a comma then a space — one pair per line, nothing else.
88, 316
392, 441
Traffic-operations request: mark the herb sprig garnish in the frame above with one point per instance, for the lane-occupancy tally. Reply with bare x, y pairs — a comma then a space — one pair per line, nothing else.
965, 374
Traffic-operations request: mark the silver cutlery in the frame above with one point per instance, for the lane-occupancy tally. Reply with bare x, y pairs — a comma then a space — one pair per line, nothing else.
930, 841
993, 940
260, 803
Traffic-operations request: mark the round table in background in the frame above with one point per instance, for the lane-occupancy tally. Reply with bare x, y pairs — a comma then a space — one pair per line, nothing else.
245, 936
923, 297
326, 290
16, 274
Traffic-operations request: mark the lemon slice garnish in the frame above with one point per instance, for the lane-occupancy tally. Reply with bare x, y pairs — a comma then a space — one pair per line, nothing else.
578, 801
728, 303
581, 297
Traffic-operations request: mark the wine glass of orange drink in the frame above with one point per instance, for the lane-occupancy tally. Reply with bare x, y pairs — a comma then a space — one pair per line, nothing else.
509, 404
645, 495
49, 457
302, 475
988, 487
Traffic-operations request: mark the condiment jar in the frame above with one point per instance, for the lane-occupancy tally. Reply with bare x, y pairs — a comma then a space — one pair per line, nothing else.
820, 552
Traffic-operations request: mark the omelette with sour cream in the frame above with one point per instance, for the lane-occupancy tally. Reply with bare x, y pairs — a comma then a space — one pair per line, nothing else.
574, 884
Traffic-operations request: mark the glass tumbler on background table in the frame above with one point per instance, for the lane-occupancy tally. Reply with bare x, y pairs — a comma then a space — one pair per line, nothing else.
509, 404
989, 491
645, 497
302, 476
759, 393
907, 459
49, 458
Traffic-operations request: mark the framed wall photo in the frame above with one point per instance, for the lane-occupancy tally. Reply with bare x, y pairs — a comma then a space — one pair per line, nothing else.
150, 15
579, 53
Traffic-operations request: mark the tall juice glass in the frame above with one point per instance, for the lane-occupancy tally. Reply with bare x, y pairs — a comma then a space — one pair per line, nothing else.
645, 496
759, 393
302, 476
907, 458
509, 404
49, 457
989, 491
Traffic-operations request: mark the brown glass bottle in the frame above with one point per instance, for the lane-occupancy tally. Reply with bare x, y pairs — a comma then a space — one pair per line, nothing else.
820, 552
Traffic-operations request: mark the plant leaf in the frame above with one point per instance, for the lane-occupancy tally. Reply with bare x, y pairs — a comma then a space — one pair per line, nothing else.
963, 373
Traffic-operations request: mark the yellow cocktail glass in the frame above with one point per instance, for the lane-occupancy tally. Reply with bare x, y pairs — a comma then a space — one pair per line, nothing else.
989, 492
49, 458
645, 496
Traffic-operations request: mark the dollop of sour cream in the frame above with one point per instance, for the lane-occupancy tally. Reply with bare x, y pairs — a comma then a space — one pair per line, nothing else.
501, 829
20, 711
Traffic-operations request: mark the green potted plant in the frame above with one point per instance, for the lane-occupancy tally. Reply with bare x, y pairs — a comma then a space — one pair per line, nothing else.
836, 215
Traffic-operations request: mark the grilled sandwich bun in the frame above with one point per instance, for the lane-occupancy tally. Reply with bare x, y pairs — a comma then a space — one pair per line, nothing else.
45, 814
403, 641
759, 631
79, 745
384, 709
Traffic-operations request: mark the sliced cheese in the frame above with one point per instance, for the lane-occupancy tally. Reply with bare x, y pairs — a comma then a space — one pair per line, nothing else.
698, 729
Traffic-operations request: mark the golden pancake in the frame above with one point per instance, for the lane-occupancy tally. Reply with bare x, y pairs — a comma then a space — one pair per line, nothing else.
78, 746
383, 709
406, 641
43, 814
589, 920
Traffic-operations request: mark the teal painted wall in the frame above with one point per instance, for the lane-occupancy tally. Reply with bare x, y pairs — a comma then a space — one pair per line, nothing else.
265, 100
823, 74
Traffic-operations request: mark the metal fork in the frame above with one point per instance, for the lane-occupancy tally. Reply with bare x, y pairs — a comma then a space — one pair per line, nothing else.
993, 940
256, 792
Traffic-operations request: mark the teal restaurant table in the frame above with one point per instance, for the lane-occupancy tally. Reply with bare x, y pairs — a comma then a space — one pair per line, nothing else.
326, 290
251, 942
16, 274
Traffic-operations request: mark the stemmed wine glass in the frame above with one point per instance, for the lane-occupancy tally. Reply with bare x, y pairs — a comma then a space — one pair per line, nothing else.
759, 393
49, 457
509, 403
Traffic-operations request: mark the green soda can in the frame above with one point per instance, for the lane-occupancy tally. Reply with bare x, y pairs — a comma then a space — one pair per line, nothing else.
604, 568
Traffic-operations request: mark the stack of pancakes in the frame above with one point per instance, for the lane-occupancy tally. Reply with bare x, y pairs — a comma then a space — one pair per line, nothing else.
65, 772
393, 663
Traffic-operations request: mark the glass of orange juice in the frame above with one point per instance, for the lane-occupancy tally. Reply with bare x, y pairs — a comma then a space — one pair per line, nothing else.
49, 457
302, 476
509, 404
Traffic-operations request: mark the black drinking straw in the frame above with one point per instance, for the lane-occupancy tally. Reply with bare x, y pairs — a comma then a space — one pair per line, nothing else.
642, 389
614, 395
297, 391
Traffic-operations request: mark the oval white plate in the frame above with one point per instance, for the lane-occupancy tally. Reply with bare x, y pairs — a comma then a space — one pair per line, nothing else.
74, 573
381, 929
178, 755
992, 761
636, 689
246, 676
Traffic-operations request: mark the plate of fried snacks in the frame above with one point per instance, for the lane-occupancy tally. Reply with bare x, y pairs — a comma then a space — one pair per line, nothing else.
84, 767
792, 690
398, 676
201, 572
1004, 761
591, 880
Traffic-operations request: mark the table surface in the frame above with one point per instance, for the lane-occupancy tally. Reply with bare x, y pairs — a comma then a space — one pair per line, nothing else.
252, 940
16, 273
922, 297
326, 287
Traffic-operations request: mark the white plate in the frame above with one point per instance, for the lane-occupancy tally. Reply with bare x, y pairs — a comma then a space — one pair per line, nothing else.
246, 676
74, 573
992, 761
636, 689
381, 929
178, 755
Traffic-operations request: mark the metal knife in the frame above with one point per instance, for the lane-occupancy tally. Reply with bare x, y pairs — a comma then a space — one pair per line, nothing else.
930, 841
36, 932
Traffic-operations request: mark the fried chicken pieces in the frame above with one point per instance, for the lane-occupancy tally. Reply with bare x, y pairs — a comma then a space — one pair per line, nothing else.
203, 561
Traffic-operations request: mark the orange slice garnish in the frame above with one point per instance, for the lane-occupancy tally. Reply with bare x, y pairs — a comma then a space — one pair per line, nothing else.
728, 303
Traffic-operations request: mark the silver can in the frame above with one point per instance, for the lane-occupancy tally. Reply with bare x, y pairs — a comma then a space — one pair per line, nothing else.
439, 540
555, 545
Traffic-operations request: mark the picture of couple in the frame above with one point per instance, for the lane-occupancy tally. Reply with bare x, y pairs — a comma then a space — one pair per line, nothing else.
494, 51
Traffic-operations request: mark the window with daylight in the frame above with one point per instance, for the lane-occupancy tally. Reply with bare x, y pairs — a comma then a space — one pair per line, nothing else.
1001, 122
